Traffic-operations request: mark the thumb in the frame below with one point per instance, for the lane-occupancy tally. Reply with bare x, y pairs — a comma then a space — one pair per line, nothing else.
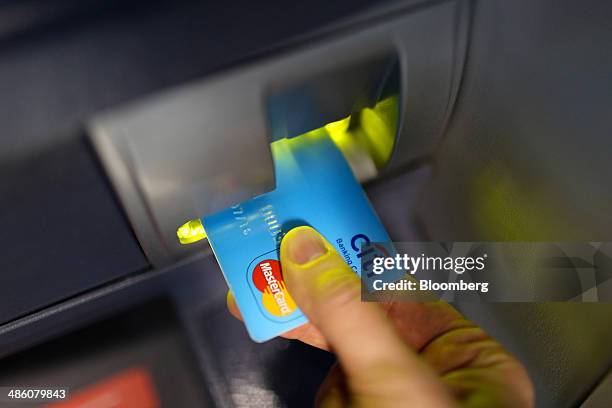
367, 345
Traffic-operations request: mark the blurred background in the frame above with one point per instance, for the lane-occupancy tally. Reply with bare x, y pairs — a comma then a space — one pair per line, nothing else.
466, 120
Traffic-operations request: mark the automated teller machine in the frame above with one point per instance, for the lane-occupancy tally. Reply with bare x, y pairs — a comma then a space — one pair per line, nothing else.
464, 119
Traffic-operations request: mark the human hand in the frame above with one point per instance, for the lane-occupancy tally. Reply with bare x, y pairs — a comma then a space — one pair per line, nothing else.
411, 354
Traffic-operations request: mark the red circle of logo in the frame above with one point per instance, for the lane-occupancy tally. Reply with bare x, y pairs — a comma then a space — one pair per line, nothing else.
266, 271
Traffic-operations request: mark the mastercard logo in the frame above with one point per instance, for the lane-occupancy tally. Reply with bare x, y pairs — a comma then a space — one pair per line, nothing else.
268, 279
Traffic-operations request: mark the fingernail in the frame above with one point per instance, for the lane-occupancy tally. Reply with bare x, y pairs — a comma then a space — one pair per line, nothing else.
304, 245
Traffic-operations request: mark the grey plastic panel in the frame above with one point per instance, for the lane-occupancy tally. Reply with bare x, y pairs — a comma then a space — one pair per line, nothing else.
527, 158
601, 396
201, 147
186, 153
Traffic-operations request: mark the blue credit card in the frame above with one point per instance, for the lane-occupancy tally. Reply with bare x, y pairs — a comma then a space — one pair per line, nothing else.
314, 186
